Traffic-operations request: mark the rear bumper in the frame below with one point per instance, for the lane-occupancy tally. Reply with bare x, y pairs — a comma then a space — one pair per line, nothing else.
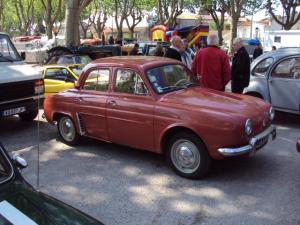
25, 105
255, 143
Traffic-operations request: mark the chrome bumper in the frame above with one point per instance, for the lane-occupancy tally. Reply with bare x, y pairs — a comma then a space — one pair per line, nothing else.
255, 143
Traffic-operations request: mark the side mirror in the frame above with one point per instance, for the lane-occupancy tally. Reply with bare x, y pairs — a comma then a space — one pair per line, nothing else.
20, 162
23, 55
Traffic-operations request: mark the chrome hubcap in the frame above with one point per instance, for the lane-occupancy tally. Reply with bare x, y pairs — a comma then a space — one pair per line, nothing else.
185, 156
67, 129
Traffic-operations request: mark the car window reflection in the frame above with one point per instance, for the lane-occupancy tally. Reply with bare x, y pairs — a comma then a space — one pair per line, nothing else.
287, 69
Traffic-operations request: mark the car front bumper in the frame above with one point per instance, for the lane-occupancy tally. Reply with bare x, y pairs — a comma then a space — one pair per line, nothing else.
255, 143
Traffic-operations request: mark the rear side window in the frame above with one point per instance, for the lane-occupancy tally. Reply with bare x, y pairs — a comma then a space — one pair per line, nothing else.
262, 67
130, 82
288, 69
97, 80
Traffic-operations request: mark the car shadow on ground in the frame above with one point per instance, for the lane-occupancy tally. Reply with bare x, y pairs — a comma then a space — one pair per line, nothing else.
102, 179
20, 134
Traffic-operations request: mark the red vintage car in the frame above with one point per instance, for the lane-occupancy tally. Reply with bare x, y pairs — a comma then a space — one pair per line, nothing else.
150, 103
298, 145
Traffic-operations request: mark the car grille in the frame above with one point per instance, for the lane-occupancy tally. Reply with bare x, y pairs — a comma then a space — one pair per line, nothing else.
16, 90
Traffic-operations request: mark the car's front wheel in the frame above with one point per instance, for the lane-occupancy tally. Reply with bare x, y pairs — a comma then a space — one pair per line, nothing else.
188, 155
67, 130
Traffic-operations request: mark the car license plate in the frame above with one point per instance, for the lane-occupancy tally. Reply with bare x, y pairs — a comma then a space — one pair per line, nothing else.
14, 111
262, 142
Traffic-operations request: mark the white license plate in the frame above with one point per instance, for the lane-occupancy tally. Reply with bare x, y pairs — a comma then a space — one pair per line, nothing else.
14, 111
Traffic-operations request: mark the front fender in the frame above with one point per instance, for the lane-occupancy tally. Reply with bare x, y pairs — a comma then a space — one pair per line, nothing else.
258, 86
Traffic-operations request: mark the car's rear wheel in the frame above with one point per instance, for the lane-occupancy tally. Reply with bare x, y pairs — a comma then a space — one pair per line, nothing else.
29, 116
67, 130
188, 155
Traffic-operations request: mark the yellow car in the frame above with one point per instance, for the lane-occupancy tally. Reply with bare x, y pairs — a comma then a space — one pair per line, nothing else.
58, 78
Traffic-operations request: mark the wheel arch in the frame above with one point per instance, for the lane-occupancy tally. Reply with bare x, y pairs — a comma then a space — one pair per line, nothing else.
173, 130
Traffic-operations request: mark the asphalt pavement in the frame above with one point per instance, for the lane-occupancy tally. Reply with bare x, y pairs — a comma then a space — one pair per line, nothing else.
119, 185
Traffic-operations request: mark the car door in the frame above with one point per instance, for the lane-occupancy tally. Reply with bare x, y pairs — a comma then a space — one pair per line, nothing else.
57, 79
91, 103
130, 111
284, 84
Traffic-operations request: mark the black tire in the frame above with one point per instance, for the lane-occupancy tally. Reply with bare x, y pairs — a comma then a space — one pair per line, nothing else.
29, 116
67, 130
188, 155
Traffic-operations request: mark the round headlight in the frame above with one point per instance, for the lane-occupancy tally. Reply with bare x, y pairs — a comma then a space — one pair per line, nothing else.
271, 113
248, 126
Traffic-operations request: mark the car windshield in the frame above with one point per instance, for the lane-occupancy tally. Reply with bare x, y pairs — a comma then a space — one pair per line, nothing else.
77, 69
74, 59
169, 78
5, 167
8, 53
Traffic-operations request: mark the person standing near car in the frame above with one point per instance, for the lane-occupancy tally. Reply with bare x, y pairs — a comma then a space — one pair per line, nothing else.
210, 66
135, 49
240, 68
257, 51
174, 50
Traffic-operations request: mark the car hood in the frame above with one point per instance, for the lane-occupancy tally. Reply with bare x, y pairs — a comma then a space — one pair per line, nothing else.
211, 100
23, 202
18, 71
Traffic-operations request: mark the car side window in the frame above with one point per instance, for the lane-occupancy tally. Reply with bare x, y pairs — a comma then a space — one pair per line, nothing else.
56, 74
287, 69
130, 82
262, 68
97, 80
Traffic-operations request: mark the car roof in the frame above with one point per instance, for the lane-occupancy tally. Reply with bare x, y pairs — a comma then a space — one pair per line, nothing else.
282, 52
60, 65
135, 61
278, 54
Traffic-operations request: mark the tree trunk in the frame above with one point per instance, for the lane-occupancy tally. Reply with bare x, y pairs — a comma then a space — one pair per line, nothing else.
72, 23
49, 28
234, 23
131, 32
220, 35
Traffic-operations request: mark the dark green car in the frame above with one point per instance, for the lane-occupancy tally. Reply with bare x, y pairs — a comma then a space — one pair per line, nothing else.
20, 204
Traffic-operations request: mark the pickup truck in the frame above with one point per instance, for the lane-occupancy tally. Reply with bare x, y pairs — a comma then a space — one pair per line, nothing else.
21, 85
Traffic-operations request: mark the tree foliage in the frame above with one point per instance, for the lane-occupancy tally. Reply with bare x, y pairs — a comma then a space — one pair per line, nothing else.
291, 10
168, 11
217, 11
52, 10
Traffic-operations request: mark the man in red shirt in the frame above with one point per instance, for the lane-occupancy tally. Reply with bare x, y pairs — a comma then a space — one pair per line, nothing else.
211, 65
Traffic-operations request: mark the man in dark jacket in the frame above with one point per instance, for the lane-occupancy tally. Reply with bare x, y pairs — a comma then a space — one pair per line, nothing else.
240, 68
174, 51
257, 51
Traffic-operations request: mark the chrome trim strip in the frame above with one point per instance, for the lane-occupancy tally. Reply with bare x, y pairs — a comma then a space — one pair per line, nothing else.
21, 99
81, 129
271, 130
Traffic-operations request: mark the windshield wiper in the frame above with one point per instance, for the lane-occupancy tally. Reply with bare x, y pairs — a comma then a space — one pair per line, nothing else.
191, 84
6, 58
172, 88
